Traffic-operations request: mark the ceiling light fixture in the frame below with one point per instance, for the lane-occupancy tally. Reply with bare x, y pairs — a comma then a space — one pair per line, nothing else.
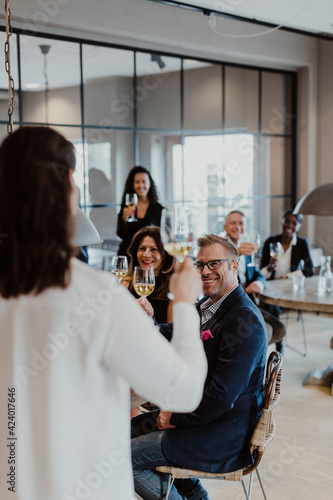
158, 59
32, 86
45, 49
317, 202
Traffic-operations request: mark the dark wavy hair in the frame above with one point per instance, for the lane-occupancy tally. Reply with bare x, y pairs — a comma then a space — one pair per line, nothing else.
129, 184
167, 260
36, 223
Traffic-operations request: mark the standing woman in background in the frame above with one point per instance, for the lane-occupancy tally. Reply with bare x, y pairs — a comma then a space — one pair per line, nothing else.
148, 210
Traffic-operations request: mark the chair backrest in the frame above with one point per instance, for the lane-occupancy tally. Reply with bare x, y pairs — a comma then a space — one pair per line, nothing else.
265, 429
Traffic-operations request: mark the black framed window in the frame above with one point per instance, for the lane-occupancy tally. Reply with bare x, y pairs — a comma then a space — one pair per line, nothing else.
215, 135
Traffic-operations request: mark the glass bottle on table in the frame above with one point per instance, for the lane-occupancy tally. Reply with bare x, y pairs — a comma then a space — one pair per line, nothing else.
325, 277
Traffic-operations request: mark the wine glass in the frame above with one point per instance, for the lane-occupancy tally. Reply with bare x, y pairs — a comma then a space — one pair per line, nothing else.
256, 240
119, 266
144, 281
275, 249
131, 201
177, 231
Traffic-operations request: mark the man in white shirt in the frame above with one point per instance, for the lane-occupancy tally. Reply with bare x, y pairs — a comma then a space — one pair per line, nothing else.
250, 278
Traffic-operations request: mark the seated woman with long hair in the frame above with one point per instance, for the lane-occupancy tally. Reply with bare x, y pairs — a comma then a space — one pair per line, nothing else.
146, 250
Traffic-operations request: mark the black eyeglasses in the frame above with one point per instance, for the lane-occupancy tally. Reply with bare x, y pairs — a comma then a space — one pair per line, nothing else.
212, 264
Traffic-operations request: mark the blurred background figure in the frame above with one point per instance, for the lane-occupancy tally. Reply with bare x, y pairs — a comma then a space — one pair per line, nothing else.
285, 254
146, 250
144, 211
294, 254
250, 278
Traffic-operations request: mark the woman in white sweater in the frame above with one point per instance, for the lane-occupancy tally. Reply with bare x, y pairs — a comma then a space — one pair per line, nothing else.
73, 342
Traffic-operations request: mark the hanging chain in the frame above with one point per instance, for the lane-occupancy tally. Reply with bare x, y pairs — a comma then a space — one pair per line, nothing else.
11, 90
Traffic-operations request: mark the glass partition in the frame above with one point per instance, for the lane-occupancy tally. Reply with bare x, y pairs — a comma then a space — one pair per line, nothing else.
158, 91
214, 136
276, 103
202, 95
241, 99
108, 86
50, 75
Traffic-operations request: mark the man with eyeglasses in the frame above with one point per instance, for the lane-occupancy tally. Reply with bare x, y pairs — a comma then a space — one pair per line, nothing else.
214, 437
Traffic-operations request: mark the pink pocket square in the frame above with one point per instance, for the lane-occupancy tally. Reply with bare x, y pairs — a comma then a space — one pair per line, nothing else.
207, 334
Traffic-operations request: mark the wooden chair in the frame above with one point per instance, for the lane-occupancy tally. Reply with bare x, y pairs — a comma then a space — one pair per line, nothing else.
261, 437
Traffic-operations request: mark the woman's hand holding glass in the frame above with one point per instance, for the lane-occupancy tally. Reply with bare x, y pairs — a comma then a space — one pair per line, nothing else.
131, 202
185, 283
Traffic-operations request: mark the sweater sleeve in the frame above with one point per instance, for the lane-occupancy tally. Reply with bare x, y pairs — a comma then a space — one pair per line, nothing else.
170, 374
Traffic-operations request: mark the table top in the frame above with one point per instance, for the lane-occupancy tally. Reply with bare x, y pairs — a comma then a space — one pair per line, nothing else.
279, 292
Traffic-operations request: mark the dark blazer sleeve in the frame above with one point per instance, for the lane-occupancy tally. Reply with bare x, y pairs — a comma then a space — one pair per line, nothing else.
240, 347
301, 252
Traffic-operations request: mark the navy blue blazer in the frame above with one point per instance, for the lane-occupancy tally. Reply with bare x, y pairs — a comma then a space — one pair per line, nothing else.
215, 436
300, 255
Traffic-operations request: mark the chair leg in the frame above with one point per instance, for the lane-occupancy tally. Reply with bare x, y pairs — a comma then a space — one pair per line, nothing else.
169, 486
261, 485
249, 491
302, 353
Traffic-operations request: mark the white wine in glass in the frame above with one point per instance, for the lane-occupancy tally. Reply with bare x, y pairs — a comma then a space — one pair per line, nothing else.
256, 240
144, 281
275, 249
131, 202
119, 266
177, 231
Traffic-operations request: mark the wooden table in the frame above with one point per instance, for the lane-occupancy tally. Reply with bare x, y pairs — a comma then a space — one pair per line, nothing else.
280, 293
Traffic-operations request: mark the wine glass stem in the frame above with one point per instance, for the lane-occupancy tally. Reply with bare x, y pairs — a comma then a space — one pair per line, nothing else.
252, 259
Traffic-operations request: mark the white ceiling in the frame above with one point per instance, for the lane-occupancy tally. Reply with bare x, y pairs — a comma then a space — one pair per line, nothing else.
309, 15
84, 16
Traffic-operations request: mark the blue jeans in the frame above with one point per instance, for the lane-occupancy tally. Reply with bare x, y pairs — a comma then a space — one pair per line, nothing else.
151, 485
